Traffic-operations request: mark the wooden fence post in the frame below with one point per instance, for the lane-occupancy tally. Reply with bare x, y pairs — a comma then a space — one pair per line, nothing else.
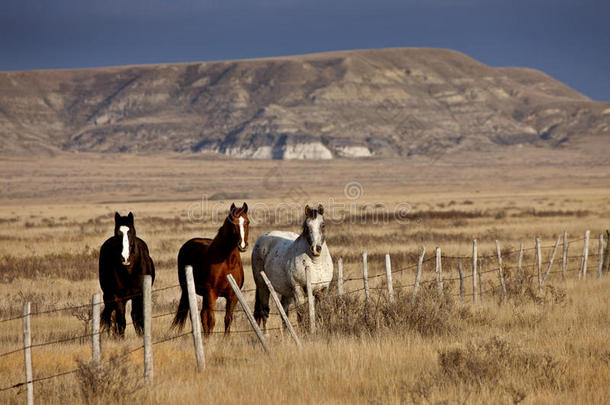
311, 305
474, 271
480, 279
195, 319
244, 306
340, 276
27, 353
439, 272
600, 255
539, 262
96, 303
461, 280
388, 275
520, 262
365, 275
148, 354
564, 257
280, 308
500, 270
585, 256
606, 265
548, 269
420, 263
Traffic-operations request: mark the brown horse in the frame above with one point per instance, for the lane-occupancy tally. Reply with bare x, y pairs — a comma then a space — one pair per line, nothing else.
212, 260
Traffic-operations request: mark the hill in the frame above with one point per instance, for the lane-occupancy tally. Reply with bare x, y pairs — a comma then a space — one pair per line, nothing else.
388, 102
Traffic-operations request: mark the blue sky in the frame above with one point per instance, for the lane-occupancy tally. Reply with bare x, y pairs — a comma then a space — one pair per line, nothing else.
568, 39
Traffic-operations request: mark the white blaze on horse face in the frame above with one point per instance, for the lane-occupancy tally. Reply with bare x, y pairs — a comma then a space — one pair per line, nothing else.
242, 243
125, 251
315, 231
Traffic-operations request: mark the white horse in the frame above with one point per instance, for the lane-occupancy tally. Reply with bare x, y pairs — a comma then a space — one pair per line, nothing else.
285, 257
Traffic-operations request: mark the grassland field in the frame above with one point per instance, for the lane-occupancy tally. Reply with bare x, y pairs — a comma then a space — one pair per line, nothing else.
535, 347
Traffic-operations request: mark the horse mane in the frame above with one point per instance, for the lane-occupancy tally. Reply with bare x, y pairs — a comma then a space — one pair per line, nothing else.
224, 237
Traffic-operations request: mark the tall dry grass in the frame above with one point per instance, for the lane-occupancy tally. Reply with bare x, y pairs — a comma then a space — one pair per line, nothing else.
533, 346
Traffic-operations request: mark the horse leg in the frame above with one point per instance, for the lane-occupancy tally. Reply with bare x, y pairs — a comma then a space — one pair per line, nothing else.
106, 318
137, 314
261, 307
230, 306
286, 301
207, 312
120, 318
299, 299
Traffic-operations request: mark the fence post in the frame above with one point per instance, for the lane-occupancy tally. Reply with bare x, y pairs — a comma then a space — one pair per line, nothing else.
310, 301
548, 269
500, 271
600, 255
480, 280
439, 272
539, 262
420, 263
148, 354
388, 274
606, 265
461, 280
340, 276
474, 271
280, 308
96, 303
27, 353
564, 257
520, 262
585, 256
195, 320
244, 306
365, 275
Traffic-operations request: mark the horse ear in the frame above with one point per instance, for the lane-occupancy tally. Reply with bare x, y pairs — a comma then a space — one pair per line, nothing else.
117, 216
232, 207
130, 217
307, 211
320, 209
244, 208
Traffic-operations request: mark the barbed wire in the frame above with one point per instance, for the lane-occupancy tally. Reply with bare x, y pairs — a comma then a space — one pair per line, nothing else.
35, 380
506, 253
239, 310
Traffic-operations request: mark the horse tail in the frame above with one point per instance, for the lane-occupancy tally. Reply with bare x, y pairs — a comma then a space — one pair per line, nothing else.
182, 312
183, 306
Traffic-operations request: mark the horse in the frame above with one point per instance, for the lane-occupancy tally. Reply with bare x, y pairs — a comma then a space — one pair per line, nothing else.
123, 263
212, 260
285, 257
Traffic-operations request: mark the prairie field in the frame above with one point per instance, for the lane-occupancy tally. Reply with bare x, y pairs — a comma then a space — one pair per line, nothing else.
533, 344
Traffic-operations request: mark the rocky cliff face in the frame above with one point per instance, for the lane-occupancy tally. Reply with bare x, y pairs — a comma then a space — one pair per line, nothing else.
344, 104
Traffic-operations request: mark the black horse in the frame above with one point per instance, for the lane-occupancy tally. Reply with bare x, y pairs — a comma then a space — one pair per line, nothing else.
124, 261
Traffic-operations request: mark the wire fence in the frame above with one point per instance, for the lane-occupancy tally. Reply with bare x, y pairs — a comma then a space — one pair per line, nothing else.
396, 286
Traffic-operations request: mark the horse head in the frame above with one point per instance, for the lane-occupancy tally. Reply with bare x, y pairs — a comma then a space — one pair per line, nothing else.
314, 229
239, 222
126, 231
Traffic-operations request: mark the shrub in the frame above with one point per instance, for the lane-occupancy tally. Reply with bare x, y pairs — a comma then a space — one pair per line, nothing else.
428, 315
497, 362
111, 381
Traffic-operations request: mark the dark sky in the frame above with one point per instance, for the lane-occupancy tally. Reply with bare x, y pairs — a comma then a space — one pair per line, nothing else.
568, 39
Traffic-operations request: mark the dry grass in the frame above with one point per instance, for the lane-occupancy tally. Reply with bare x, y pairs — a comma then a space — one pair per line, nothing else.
535, 345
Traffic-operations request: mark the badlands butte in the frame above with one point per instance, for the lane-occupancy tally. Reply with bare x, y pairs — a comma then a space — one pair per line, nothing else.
381, 103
